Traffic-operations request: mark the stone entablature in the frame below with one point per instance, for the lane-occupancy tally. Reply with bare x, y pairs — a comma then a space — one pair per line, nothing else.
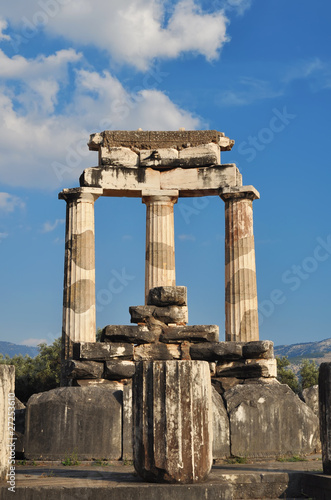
139, 139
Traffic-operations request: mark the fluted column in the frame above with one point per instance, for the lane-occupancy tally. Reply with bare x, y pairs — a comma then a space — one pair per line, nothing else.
241, 313
160, 240
79, 322
172, 416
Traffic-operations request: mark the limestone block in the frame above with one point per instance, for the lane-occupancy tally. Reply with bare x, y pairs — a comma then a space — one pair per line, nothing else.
154, 139
167, 296
119, 157
152, 352
84, 420
250, 368
119, 369
310, 397
128, 333
225, 143
172, 412
159, 158
205, 180
200, 156
96, 140
258, 349
194, 333
222, 384
324, 393
269, 420
99, 382
102, 351
83, 369
127, 439
7, 420
121, 181
221, 427
169, 314
212, 351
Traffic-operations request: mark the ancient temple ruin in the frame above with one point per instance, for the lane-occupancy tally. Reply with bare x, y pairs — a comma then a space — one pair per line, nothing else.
183, 376
160, 167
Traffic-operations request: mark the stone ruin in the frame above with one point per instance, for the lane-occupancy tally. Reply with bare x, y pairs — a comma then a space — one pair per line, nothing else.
169, 395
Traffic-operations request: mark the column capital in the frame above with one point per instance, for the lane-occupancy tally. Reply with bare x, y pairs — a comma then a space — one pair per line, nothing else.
80, 193
169, 195
242, 192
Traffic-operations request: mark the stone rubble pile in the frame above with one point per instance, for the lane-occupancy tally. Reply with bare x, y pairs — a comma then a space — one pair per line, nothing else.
161, 334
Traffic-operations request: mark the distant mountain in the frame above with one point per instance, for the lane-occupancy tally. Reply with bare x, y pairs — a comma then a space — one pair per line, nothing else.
318, 351
12, 349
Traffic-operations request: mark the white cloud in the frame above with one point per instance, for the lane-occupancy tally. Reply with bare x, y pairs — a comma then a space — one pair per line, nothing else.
248, 91
240, 5
33, 342
8, 202
186, 237
3, 236
49, 227
3, 26
47, 148
134, 32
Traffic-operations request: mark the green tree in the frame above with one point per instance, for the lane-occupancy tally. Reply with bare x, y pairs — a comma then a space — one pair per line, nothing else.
308, 373
38, 374
285, 374
98, 335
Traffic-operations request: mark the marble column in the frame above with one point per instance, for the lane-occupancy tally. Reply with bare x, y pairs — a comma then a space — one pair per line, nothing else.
160, 240
79, 321
241, 313
172, 421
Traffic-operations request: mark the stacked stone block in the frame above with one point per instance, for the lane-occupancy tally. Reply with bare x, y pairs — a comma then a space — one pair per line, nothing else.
161, 334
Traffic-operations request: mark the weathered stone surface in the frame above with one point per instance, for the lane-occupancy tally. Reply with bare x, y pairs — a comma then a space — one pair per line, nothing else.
222, 384
198, 181
141, 140
102, 351
159, 158
160, 240
310, 397
127, 432
195, 333
119, 157
167, 296
221, 427
172, 411
241, 312
84, 420
84, 369
121, 181
7, 419
212, 351
258, 349
324, 394
128, 333
99, 382
78, 322
225, 143
248, 369
200, 156
149, 352
117, 370
169, 314
268, 420
19, 405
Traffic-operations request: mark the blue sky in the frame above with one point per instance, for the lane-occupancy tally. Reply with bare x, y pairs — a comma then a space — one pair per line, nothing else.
259, 71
